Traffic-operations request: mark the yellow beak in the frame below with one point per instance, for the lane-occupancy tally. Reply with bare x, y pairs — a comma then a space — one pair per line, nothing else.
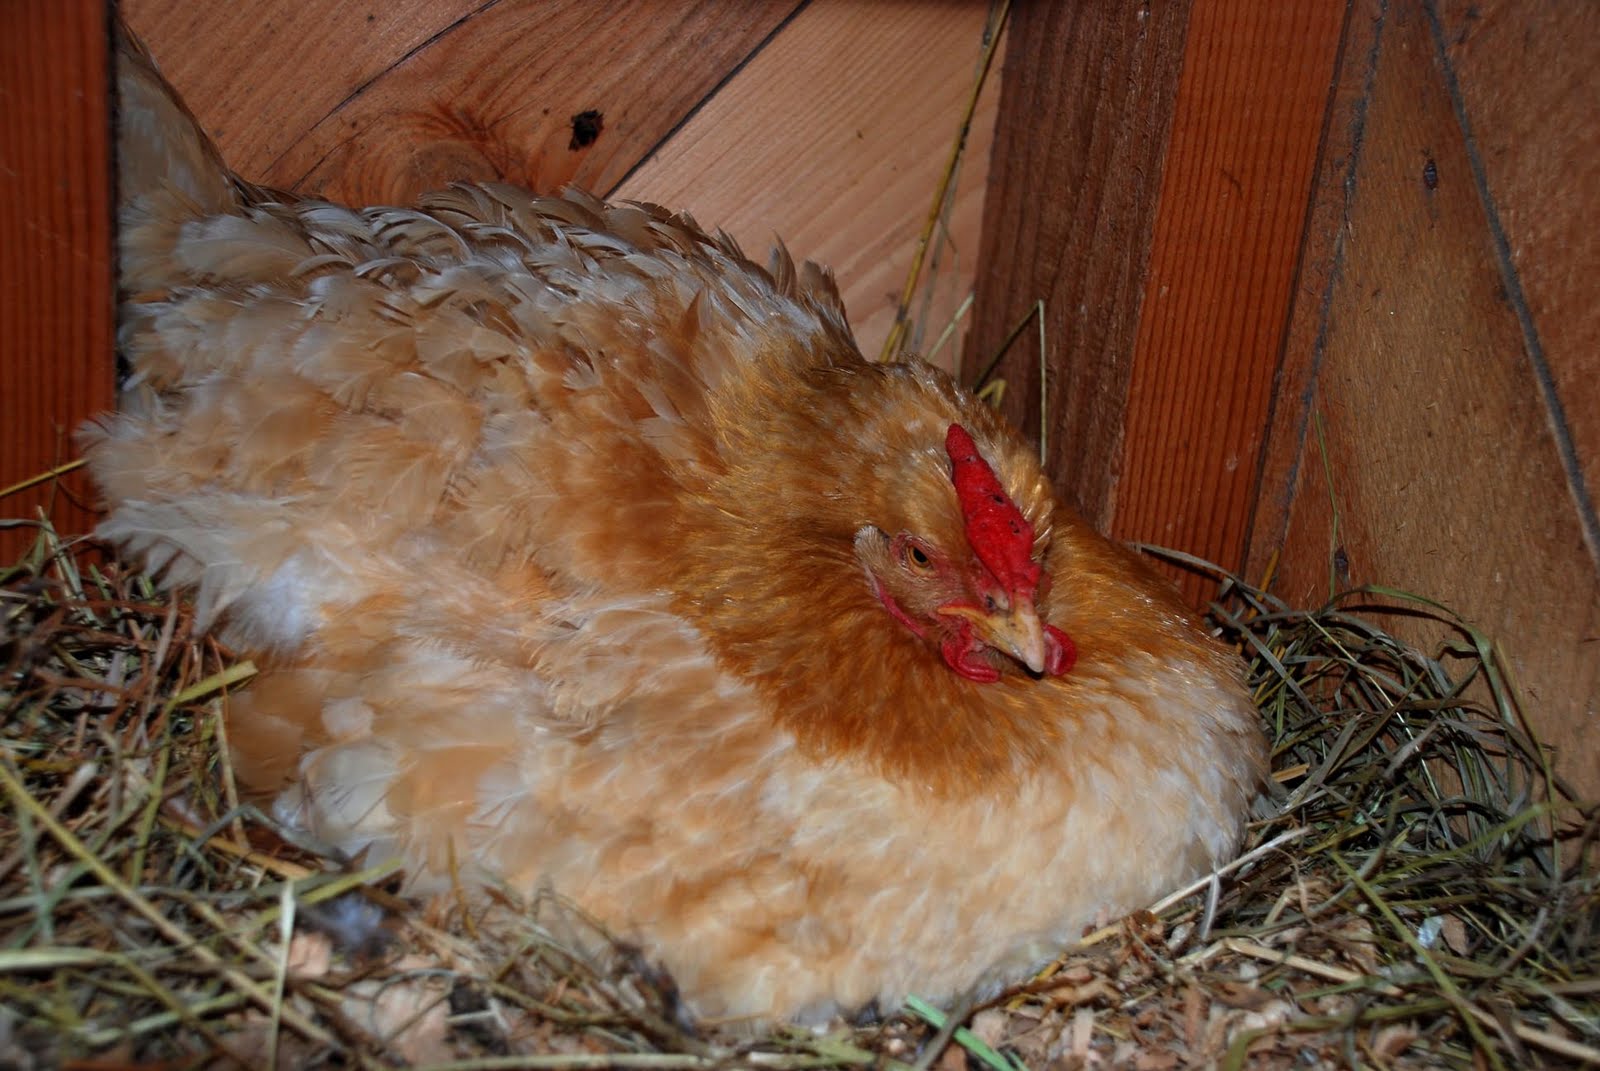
1017, 631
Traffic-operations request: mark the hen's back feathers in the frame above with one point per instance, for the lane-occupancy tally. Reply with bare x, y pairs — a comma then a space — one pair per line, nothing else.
544, 517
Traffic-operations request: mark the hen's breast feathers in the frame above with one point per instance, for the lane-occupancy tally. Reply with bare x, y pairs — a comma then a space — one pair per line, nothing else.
540, 512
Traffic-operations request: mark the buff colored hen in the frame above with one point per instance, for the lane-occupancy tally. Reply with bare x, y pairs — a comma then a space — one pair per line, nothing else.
581, 552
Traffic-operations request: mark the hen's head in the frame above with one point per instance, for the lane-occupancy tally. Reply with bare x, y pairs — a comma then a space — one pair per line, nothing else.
975, 596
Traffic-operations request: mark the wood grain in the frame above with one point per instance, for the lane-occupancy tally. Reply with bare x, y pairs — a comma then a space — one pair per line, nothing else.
55, 259
834, 139
1087, 96
258, 74
1526, 77
1234, 194
1321, 250
438, 93
1428, 421
830, 134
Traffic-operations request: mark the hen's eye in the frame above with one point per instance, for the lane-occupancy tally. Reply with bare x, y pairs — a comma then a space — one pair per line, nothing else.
916, 557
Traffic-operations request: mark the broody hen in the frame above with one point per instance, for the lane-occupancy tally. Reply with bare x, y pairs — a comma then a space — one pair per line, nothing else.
580, 552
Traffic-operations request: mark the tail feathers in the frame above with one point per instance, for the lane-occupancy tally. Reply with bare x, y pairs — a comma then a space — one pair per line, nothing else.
167, 168
168, 175
160, 146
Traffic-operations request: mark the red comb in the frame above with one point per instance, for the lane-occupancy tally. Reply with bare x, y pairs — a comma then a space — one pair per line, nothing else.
997, 531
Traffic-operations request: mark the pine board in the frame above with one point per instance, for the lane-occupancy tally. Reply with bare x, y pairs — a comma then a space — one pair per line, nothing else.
1428, 461
258, 74
435, 93
1526, 74
834, 139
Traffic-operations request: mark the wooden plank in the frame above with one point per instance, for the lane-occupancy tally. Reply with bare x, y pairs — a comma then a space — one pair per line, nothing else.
846, 180
376, 106
1526, 80
55, 259
1234, 194
1086, 103
1290, 416
495, 97
1429, 420
258, 74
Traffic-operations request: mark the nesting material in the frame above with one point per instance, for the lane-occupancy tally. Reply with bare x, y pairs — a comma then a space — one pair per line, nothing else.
1402, 903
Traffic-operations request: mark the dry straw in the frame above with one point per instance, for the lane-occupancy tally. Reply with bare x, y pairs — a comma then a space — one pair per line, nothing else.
1417, 896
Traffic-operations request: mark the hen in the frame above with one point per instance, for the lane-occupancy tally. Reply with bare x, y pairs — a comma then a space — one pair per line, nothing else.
580, 552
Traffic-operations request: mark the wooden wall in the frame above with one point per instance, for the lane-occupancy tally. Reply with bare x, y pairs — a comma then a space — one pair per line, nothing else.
1319, 281
1439, 422
1322, 299
825, 123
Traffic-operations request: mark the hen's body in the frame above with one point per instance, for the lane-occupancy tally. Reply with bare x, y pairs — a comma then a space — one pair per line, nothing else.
541, 515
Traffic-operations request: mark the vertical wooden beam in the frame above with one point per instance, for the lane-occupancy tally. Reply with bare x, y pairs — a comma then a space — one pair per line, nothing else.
1151, 179
1290, 423
1086, 101
1234, 196
56, 316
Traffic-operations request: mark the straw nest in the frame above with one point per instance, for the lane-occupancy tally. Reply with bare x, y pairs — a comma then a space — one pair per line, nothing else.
1417, 894
1421, 890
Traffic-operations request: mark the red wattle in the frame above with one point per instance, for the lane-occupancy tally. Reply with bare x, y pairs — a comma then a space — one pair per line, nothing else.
1061, 654
959, 650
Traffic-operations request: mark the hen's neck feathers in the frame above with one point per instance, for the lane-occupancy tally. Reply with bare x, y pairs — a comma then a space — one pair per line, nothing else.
762, 563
